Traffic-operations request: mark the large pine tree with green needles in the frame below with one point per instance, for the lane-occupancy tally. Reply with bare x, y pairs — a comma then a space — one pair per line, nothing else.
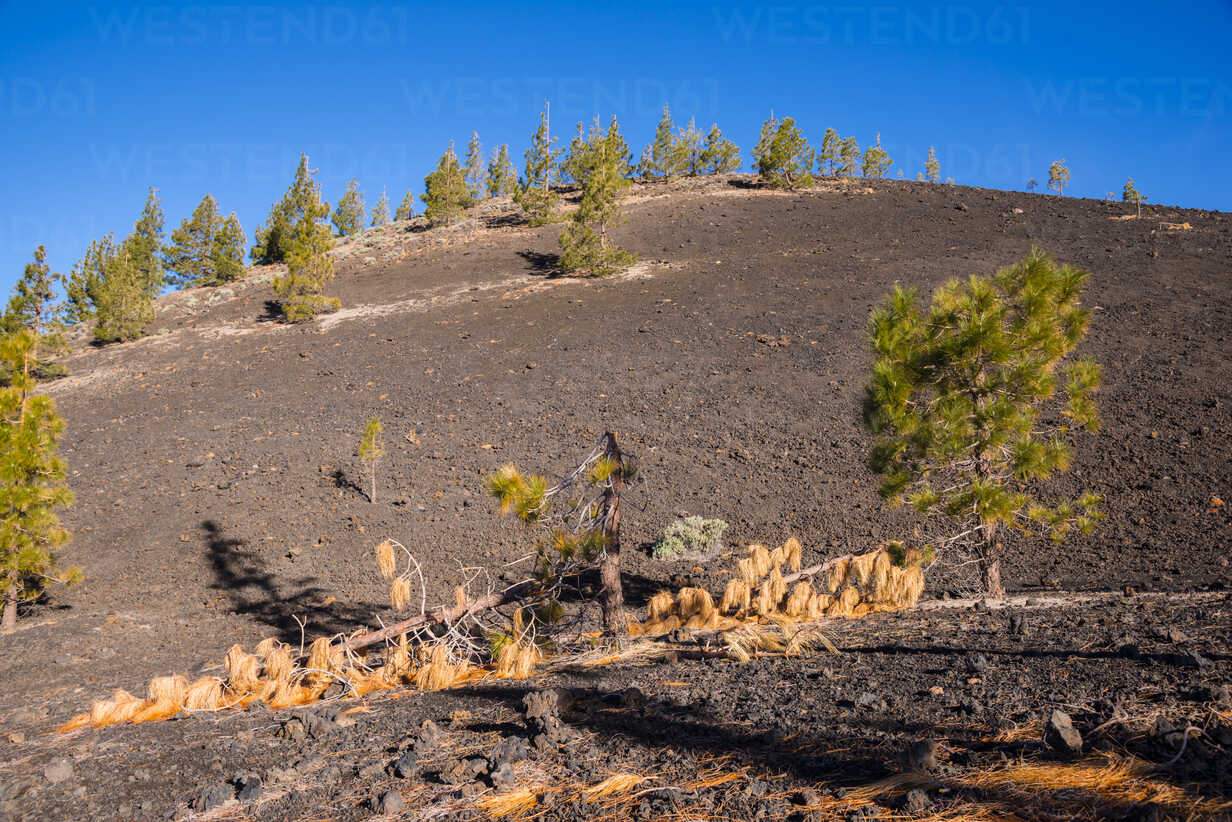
380, 211
876, 160
718, 155
350, 213
206, 249
502, 179
932, 168
1058, 177
145, 246
407, 209
273, 238
586, 249
973, 405
782, 155
848, 157
32, 483
476, 170
123, 299
689, 150
81, 287
32, 307
307, 242
534, 194
831, 146
661, 159
446, 194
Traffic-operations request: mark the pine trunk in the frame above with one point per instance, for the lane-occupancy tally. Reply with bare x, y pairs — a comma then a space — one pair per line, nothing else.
990, 563
611, 597
9, 622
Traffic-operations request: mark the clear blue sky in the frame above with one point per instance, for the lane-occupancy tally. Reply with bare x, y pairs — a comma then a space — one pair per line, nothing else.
100, 101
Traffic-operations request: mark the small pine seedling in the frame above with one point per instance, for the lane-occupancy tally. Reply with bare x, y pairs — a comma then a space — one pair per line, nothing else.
371, 449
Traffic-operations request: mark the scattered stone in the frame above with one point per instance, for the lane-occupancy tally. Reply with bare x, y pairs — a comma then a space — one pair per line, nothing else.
57, 770
870, 700
510, 750
248, 787
256, 706
428, 738
917, 801
390, 803
17, 737
805, 796
1061, 735
541, 711
212, 796
458, 772
406, 765
977, 663
1018, 211
962, 207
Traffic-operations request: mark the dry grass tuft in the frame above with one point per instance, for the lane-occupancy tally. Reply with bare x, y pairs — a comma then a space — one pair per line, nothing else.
614, 784
508, 804
399, 593
761, 560
204, 695
798, 602
838, 575
385, 559
736, 597
793, 553
660, 606
747, 571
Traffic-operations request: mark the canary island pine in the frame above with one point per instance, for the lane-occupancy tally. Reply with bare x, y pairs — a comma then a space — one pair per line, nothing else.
32, 483
306, 243
534, 193
371, 448
956, 400
782, 155
586, 250
348, 216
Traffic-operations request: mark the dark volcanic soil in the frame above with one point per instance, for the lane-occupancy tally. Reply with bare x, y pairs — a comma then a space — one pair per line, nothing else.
219, 496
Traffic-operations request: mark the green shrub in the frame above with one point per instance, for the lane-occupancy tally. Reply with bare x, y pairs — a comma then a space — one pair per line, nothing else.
691, 536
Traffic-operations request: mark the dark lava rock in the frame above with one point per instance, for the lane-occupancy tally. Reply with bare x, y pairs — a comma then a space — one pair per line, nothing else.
458, 772
307, 724
502, 777
428, 738
870, 700
977, 663
917, 801
541, 712
1018, 625
922, 755
1061, 735
212, 796
248, 787
404, 767
390, 803
510, 750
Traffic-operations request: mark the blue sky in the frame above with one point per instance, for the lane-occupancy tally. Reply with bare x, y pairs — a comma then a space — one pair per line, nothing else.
98, 102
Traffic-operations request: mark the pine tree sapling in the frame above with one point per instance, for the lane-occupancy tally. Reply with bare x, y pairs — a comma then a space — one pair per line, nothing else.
32, 483
534, 194
1031, 184
446, 195
782, 155
688, 150
502, 181
380, 211
956, 400
719, 155
932, 169
876, 160
848, 157
348, 217
306, 244
32, 307
1058, 177
831, 145
371, 448
407, 209
586, 249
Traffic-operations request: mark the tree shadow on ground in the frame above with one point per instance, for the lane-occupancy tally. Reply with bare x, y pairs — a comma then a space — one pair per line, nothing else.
541, 262
255, 592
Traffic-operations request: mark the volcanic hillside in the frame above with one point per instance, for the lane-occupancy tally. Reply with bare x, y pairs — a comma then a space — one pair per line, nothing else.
219, 496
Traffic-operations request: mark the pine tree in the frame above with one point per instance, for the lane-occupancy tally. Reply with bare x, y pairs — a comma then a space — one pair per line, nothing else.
273, 238
371, 448
502, 181
407, 210
32, 483
719, 155
1058, 177
783, 156
957, 394
1031, 184
688, 150
306, 244
380, 212
145, 246
32, 307
227, 253
848, 156
1129, 194
660, 159
188, 256
534, 194
586, 249
82, 284
348, 217
476, 178
123, 305
446, 195
876, 160
831, 147
932, 169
